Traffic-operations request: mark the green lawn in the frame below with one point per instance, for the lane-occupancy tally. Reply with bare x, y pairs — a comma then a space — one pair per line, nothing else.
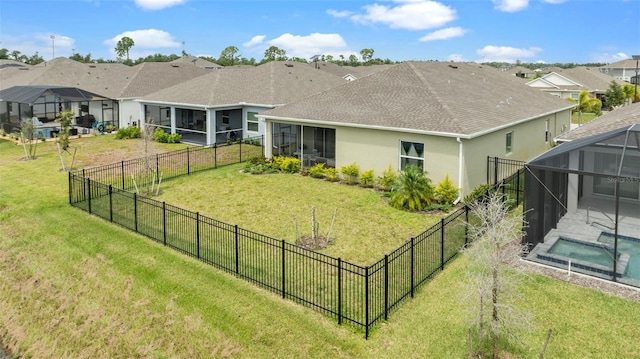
73, 285
582, 118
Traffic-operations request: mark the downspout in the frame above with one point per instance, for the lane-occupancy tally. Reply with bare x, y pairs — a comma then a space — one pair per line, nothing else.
459, 171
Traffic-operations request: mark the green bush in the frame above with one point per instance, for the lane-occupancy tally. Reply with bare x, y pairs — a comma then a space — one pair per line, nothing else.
128, 132
477, 192
285, 164
331, 174
351, 173
446, 191
366, 178
159, 135
174, 138
317, 171
388, 179
412, 191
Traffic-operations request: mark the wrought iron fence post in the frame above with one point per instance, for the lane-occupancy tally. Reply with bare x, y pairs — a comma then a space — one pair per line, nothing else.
488, 177
240, 154
284, 290
122, 170
339, 291
442, 244
89, 192
237, 255
135, 211
164, 223
110, 203
386, 286
412, 266
198, 234
366, 302
157, 166
188, 162
70, 189
495, 170
215, 155
518, 188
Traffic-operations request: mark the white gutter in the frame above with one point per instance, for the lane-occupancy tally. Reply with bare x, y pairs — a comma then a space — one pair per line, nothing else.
460, 167
192, 105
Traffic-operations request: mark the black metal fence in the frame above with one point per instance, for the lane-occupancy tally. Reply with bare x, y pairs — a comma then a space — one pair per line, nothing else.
499, 169
351, 293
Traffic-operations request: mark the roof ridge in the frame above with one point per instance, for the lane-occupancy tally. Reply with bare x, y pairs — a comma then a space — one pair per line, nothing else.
434, 93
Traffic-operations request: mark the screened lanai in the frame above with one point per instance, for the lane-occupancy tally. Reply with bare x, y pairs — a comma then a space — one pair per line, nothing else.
582, 206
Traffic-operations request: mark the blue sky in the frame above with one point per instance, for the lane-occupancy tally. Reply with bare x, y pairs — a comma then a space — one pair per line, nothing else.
547, 31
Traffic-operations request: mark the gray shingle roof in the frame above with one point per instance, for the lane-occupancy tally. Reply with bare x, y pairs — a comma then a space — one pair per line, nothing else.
621, 117
454, 98
592, 79
273, 83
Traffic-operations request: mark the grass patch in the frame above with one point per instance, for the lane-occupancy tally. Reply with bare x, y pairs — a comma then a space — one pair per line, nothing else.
366, 227
583, 118
73, 285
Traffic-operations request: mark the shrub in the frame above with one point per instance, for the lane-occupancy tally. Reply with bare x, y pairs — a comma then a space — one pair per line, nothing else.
331, 174
412, 191
351, 173
446, 191
128, 132
159, 135
317, 171
366, 178
477, 192
290, 165
388, 179
174, 138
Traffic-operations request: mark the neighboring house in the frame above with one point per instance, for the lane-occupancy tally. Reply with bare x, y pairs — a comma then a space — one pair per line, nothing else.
444, 117
621, 117
521, 71
348, 73
121, 84
223, 105
568, 83
621, 70
198, 62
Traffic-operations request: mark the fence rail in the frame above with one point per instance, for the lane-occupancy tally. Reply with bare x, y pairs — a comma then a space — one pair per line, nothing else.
359, 295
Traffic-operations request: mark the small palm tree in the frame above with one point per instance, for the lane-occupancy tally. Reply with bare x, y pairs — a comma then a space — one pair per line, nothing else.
412, 191
586, 103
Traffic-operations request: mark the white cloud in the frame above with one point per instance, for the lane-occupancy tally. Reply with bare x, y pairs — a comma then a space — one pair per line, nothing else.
511, 5
146, 42
456, 58
157, 4
492, 53
336, 13
444, 34
29, 44
309, 45
610, 58
256, 40
408, 14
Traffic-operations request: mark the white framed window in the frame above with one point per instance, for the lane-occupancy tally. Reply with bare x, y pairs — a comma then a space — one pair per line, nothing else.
225, 117
411, 153
252, 121
509, 142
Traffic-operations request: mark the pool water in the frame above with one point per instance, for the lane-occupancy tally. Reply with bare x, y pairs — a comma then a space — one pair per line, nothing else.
628, 245
592, 253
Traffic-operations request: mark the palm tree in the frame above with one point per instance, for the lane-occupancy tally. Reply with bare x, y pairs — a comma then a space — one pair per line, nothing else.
586, 103
413, 190
123, 46
629, 92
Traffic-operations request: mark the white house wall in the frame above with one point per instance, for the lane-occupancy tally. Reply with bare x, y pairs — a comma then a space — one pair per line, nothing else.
130, 113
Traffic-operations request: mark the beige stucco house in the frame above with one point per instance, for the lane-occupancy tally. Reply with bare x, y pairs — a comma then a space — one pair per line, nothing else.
445, 117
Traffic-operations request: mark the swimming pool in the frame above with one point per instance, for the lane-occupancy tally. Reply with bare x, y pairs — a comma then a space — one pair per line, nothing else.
629, 245
583, 251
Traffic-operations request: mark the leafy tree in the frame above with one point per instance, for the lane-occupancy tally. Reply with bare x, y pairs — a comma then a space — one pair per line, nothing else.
29, 138
4, 54
64, 118
615, 95
35, 59
84, 59
228, 56
413, 190
367, 54
123, 46
491, 277
353, 60
274, 53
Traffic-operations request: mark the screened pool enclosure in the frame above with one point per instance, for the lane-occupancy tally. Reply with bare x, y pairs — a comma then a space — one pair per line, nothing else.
582, 206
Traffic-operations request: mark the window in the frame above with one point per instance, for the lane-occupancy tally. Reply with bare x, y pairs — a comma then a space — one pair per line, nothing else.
546, 131
411, 153
252, 121
225, 117
509, 142
608, 163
